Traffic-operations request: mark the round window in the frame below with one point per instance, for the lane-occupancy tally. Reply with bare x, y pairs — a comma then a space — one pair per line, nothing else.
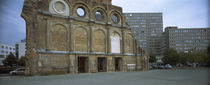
59, 7
115, 18
81, 11
99, 15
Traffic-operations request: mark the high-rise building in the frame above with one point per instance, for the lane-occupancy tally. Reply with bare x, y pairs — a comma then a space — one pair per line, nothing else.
147, 28
20, 49
5, 50
187, 39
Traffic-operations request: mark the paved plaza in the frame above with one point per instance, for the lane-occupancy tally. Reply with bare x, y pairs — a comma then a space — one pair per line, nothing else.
153, 77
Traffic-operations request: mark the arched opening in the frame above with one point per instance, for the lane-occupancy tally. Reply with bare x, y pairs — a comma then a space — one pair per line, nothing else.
80, 40
58, 38
99, 41
129, 43
115, 43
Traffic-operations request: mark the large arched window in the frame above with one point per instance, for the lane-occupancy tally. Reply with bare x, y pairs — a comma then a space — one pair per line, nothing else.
115, 43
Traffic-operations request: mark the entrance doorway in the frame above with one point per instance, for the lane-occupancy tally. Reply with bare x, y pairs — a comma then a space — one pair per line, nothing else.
118, 64
82, 64
102, 64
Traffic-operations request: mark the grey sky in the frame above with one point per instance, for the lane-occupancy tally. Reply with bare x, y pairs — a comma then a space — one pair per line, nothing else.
181, 13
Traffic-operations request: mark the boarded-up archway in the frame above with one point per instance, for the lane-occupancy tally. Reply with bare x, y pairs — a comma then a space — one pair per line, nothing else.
58, 38
115, 42
128, 43
80, 40
99, 41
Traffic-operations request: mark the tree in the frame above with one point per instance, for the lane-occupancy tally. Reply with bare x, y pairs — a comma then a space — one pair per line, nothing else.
208, 56
198, 57
171, 56
183, 57
22, 61
10, 60
152, 58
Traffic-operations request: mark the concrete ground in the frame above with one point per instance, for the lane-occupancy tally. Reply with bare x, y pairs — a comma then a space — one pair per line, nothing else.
153, 77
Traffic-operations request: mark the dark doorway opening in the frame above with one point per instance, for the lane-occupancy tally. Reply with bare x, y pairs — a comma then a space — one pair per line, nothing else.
102, 64
118, 64
82, 64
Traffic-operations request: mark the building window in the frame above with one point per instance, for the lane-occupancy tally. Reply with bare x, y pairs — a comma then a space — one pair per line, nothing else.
1, 56
2, 51
99, 15
81, 12
2, 46
115, 18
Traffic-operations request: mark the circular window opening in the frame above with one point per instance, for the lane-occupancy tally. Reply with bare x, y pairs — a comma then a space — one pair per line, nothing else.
99, 15
59, 7
115, 18
80, 11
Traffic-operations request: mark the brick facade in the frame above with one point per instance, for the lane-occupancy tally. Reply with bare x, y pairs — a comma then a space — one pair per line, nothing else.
62, 38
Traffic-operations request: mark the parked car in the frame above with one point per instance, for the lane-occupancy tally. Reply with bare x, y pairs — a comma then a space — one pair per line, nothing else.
18, 71
150, 67
168, 66
161, 67
155, 66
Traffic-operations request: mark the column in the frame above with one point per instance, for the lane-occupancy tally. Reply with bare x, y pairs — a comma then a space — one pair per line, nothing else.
71, 36
73, 65
92, 64
90, 39
122, 44
108, 42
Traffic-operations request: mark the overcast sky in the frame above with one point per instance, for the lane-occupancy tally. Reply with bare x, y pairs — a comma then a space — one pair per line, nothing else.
181, 13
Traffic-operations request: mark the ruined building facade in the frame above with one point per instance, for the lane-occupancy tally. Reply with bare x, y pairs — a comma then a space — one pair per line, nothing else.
76, 36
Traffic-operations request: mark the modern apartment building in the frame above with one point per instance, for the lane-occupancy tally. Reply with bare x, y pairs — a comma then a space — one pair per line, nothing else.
20, 48
147, 28
5, 50
186, 39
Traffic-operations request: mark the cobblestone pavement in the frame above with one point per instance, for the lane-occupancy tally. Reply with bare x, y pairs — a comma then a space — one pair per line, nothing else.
153, 77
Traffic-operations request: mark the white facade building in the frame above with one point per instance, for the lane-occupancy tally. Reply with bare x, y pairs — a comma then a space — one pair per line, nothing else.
5, 50
20, 49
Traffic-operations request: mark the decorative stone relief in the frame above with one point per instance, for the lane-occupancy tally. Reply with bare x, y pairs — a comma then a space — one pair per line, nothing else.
59, 7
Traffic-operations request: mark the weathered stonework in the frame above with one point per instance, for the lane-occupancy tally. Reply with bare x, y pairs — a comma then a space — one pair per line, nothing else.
73, 36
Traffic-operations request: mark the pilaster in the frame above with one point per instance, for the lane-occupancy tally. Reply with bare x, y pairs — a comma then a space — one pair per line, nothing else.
108, 42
